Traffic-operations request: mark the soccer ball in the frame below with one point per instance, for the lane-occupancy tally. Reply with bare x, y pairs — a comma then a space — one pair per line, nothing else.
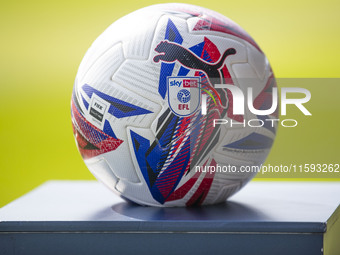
145, 104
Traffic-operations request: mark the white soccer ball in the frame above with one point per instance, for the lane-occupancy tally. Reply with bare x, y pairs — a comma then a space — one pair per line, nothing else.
145, 106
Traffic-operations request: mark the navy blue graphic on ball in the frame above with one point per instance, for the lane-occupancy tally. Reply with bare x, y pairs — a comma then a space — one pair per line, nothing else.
183, 96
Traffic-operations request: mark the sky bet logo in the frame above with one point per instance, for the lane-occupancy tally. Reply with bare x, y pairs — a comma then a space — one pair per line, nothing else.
184, 94
190, 83
187, 83
238, 105
175, 83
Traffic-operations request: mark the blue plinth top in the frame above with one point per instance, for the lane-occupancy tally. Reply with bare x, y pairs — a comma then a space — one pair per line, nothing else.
302, 207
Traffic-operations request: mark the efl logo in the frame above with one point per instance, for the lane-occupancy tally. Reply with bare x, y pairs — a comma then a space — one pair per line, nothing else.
184, 96
183, 107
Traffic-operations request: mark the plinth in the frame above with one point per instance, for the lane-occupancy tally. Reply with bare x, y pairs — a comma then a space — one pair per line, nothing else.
83, 217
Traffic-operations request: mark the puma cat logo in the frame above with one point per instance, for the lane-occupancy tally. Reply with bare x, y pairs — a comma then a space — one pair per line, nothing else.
171, 52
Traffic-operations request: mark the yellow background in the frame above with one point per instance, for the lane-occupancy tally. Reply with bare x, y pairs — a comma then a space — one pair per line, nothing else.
43, 42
